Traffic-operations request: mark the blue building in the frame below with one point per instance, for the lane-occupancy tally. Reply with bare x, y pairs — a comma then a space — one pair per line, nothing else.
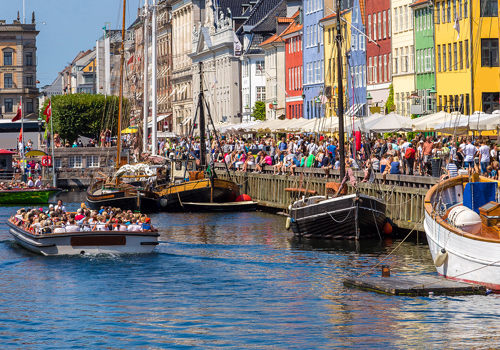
313, 59
356, 60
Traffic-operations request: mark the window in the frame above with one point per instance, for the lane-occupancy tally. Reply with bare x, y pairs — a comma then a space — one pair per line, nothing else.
379, 26
450, 62
330, 33
7, 80
370, 26
384, 69
361, 39
459, 9
375, 80
92, 161
370, 70
29, 81
261, 93
443, 11
410, 19
57, 162
444, 57
419, 61
455, 56
428, 62
289, 79
374, 26
401, 19
315, 34
396, 19
490, 102
439, 58
75, 161
396, 61
29, 105
384, 22
489, 8
29, 58
412, 59
466, 57
7, 58
260, 67
489, 52
380, 68
354, 42
437, 12
406, 17
389, 28
9, 104
466, 8
448, 11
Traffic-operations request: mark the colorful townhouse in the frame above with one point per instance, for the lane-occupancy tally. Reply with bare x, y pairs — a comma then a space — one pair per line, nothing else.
467, 59
356, 60
329, 24
403, 77
425, 79
293, 68
378, 52
313, 59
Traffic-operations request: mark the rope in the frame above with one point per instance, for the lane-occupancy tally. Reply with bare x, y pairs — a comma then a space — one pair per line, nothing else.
380, 262
339, 222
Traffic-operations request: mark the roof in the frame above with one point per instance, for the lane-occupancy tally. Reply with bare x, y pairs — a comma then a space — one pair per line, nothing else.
235, 6
254, 45
294, 26
262, 9
4, 151
270, 40
264, 15
333, 15
419, 2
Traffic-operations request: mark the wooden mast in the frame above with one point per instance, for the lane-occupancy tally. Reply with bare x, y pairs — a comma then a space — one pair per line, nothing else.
340, 96
203, 149
120, 106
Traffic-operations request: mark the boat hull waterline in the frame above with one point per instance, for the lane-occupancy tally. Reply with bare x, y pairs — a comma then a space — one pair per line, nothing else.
86, 242
28, 196
347, 217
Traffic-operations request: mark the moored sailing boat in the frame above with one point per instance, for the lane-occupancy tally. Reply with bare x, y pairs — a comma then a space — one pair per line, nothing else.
342, 216
119, 194
192, 182
462, 224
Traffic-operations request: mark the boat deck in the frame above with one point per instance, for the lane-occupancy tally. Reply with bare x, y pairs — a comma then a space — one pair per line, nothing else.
490, 232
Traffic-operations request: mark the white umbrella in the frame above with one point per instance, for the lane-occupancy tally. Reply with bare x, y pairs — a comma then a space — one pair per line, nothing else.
428, 122
392, 122
365, 124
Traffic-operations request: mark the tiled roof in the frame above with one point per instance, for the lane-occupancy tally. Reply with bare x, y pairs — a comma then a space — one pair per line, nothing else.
270, 40
292, 27
333, 15
419, 2
254, 46
264, 15
236, 7
284, 20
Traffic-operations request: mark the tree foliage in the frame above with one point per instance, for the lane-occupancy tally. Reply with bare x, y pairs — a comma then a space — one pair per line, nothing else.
259, 110
84, 114
390, 100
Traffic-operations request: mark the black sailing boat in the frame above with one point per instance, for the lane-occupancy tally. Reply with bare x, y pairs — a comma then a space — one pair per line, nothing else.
112, 192
341, 216
195, 183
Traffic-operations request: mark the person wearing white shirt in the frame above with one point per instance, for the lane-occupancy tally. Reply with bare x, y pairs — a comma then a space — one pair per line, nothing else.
72, 226
484, 157
38, 182
469, 152
30, 182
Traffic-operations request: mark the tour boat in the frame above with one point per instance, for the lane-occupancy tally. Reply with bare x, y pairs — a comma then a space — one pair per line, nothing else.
462, 224
353, 216
84, 242
28, 195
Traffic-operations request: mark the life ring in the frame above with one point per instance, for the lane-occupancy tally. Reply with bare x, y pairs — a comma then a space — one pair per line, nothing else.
46, 161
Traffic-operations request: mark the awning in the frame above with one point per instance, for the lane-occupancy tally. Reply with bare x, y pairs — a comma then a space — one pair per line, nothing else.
130, 130
354, 109
187, 120
159, 118
35, 153
166, 134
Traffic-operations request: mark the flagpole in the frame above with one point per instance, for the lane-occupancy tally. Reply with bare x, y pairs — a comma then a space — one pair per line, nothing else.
54, 182
22, 141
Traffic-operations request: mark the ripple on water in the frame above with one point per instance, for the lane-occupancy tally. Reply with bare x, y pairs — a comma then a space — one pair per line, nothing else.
235, 281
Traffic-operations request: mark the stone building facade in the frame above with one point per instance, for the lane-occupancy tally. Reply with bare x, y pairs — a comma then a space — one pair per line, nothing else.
18, 68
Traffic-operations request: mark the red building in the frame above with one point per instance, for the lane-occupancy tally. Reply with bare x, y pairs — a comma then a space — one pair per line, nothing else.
377, 20
293, 68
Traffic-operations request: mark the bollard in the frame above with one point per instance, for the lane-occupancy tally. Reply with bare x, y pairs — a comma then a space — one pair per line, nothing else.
386, 271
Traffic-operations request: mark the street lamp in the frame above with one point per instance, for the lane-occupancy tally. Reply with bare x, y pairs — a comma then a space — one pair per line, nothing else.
40, 121
369, 100
433, 93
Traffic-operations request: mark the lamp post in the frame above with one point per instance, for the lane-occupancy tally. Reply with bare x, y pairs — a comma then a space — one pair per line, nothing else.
369, 100
432, 93
275, 107
40, 121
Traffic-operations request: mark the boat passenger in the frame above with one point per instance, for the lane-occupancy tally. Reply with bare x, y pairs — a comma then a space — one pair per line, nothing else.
46, 227
60, 206
101, 226
31, 184
38, 182
59, 227
134, 227
146, 224
72, 226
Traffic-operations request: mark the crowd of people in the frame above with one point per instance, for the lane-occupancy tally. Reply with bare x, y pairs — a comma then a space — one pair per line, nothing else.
17, 185
392, 155
57, 220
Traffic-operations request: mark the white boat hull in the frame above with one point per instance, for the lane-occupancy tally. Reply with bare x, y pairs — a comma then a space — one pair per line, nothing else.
469, 260
94, 242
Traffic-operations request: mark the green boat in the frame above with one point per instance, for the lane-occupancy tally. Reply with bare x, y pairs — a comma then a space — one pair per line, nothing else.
28, 195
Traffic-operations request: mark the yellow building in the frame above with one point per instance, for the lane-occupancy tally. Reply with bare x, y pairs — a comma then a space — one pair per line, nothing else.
18, 69
329, 31
467, 61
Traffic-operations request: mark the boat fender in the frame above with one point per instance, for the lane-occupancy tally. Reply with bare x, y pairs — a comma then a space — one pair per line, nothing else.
441, 257
387, 228
163, 202
288, 223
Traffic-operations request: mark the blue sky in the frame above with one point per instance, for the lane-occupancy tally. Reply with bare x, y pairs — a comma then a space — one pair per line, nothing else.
70, 26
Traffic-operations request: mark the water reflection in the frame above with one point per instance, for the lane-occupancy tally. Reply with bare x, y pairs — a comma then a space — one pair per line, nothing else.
229, 280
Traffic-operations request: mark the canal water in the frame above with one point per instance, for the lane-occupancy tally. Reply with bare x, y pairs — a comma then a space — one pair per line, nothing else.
234, 281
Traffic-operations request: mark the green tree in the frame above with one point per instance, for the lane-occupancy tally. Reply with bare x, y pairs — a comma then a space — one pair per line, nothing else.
390, 100
259, 110
85, 114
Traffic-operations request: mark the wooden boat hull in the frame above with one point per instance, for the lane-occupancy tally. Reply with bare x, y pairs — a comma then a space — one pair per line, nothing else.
215, 207
353, 216
198, 191
135, 200
28, 196
93, 242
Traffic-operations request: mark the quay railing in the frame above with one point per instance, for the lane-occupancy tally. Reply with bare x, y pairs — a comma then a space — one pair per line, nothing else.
403, 194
